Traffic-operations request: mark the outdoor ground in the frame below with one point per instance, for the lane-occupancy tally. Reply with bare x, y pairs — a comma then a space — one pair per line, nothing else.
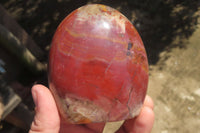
171, 34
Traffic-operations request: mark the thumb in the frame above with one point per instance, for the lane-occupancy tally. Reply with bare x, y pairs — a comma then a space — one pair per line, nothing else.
47, 118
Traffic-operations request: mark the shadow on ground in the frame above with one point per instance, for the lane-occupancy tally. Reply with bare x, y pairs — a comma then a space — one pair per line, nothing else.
158, 22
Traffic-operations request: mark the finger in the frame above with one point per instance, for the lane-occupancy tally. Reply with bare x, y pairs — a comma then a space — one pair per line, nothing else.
148, 102
81, 128
97, 127
47, 117
73, 128
142, 123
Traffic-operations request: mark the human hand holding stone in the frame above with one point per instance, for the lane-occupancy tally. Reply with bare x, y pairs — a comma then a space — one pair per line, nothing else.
47, 119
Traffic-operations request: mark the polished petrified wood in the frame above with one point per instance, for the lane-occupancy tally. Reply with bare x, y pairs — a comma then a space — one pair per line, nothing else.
98, 68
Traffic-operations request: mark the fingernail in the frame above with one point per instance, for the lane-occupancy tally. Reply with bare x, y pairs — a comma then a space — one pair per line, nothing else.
34, 97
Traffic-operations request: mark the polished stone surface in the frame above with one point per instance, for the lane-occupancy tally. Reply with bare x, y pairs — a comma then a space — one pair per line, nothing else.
98, 68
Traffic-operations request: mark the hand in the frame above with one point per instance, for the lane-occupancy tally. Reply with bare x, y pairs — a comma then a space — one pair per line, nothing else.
47, 119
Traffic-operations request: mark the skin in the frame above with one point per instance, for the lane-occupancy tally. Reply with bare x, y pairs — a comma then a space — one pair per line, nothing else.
47, 119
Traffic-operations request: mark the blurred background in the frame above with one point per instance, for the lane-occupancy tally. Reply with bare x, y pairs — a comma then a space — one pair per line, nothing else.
169, 29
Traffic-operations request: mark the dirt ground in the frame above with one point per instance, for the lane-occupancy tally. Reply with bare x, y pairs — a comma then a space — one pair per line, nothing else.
175, 87
171, 34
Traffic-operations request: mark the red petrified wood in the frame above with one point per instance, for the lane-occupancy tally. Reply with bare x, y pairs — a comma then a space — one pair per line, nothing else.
98, 68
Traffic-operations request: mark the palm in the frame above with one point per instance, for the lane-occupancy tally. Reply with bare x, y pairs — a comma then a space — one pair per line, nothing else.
82, 128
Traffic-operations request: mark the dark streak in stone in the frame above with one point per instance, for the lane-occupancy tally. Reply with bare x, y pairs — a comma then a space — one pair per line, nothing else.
128, 53
130, 45
129, 97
